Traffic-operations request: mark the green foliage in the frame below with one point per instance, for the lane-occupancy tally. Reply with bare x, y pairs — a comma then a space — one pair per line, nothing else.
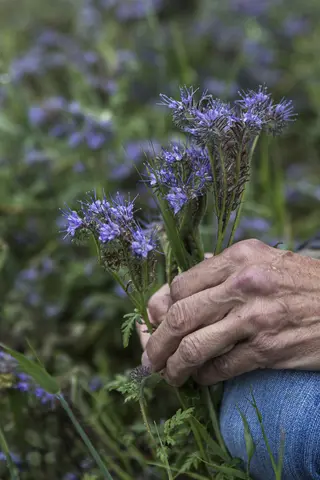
176, 426
250, 445
36, 371
130, 389
55, 293
128, 326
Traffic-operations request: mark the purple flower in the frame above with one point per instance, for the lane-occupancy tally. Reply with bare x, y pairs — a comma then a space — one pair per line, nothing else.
79, 167
75, 139
71, 476
252, 121
74, 222
95, 384
108, 232
98, 207
142, 243
95, 140
122, 210
177, 198
14, 457
295, 26
279, 116
180, 108
37, 116
256, 102
44, 396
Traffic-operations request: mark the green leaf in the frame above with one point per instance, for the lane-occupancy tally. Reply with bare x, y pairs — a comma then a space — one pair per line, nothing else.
6, 451
37, 372
208, 440
172, 424
128, 326
228, 470
250, 445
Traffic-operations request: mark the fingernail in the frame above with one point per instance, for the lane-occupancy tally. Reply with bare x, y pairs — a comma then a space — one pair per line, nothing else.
145, 360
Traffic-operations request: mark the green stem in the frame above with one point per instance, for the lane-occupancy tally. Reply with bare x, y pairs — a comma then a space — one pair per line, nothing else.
215, 188
239, 210
214, 419
144, 313
85, 438
146, 424
221, 226
194, 429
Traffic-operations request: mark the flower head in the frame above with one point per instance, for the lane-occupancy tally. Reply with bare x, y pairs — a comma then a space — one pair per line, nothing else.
143, 242
177, 198
122, 210
74, 222
180, 174
108, 232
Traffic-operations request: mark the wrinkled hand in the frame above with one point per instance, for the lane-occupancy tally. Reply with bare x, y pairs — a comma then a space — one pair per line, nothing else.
252, 306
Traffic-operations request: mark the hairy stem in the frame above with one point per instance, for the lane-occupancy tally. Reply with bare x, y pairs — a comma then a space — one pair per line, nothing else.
214, 180
239, 210
196, 434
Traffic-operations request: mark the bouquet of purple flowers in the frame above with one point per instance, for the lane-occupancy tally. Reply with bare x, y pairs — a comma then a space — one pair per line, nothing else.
209, 171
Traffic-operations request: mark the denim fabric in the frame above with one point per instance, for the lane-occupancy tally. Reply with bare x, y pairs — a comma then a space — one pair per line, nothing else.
289, 402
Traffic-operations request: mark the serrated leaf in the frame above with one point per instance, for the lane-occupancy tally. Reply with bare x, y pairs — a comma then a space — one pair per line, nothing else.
37, 372
128, 326
173, 423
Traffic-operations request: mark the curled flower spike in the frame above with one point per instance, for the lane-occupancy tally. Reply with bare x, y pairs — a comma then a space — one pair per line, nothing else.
122, 210
257, 102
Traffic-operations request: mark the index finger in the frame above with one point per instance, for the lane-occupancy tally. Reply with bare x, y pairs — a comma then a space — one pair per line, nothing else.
209, 273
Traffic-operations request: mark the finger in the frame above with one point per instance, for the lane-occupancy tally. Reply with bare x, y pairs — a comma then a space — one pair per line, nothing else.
158, 306
209, 273
143, 334
199, 347
186, 316
241, 359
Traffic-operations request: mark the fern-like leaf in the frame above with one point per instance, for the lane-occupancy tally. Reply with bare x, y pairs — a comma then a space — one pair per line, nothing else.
128, 326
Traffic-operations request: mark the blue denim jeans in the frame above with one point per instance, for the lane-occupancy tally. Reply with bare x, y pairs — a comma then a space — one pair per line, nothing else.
289, 402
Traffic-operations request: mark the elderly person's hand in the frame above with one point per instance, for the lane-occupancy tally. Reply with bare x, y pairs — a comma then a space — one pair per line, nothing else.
252, 306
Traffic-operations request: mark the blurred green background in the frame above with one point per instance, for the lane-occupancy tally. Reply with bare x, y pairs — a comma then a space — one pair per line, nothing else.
79, 88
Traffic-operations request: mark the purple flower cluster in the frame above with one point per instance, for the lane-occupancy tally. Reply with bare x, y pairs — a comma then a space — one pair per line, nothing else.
209, 120
72, 122
23, 382
180, 174
112, 223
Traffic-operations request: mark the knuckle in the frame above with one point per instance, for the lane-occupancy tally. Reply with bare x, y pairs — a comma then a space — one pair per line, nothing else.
242, 251
263, 346
190, 351
176, 318
250, 280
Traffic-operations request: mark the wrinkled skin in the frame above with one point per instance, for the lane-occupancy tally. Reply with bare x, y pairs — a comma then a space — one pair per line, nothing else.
252, 306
